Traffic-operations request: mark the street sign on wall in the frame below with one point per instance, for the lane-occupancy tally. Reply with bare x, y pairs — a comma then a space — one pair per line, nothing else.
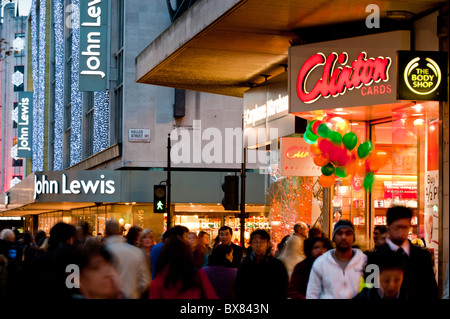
93, 66
139, 135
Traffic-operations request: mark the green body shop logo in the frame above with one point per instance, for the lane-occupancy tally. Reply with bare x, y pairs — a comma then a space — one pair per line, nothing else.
422, 76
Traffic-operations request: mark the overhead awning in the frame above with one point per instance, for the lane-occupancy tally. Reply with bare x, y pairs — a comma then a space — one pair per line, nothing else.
51, 191
225, 47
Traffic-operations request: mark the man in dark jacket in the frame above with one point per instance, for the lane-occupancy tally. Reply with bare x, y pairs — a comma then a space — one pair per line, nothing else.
260, 275
225, 238
390, 279
418, 281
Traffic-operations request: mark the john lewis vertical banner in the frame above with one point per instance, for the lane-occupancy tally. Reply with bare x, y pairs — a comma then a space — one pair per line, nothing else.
93, 68
25, 125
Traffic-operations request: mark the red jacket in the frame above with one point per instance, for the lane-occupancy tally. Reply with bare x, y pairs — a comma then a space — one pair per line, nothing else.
158, 291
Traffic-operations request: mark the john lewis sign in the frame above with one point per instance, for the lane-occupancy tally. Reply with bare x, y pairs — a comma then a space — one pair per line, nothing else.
77, 186
25, 124
93, 68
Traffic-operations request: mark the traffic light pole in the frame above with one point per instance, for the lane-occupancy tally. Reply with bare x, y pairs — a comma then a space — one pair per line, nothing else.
243, 199
168, 181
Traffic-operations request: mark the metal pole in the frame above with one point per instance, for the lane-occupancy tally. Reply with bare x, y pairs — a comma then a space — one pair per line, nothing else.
168, 182
243, 200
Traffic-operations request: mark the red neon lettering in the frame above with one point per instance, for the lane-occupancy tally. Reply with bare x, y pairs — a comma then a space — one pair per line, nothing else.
297, 152
336, 81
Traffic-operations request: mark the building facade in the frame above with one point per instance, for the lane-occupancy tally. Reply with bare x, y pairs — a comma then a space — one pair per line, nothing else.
254, 48
123, 128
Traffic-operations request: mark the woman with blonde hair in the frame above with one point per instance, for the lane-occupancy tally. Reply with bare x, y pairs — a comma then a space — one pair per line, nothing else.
146, 242
292, 254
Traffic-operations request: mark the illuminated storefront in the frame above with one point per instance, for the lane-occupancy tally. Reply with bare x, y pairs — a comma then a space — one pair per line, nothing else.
77, 197
389, 96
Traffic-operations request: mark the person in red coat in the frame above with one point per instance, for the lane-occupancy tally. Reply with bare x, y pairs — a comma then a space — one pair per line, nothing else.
177, 277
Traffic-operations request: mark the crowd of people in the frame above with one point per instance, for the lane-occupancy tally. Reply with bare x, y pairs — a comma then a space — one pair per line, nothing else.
72, 263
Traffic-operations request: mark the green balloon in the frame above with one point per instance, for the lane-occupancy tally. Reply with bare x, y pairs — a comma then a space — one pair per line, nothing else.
323, 130
350, 140
311, 136
328, 169
309, 126
335, 137
340, 172
368, 180
364, 149
307, 140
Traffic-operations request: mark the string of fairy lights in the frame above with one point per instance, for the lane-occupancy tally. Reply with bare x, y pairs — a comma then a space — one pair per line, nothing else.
39, 70
38, 94
101, 121
58, 18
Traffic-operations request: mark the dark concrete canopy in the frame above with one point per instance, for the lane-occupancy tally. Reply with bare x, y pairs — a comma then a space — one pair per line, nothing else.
225, 47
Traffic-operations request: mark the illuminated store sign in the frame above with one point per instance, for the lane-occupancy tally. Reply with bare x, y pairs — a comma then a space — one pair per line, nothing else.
334, 82
80, 186
93, 45
25, 124
421, 75
348, 72
43, 185
266, 102
296, 158
267, 110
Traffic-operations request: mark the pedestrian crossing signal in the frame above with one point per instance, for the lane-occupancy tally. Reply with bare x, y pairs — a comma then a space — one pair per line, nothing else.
159, 199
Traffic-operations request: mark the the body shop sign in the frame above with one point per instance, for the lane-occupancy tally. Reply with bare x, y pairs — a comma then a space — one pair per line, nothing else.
422, 75
297, 159
93, 68
343, 73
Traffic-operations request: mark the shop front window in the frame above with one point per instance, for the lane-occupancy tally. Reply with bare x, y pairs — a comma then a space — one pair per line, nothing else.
409, 176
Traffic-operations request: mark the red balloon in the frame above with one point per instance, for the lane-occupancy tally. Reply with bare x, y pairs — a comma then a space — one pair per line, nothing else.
343, 158
315, 125
325, 146
334, 152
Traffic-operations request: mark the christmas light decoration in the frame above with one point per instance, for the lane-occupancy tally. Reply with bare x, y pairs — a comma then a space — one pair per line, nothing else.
14, 151
38, 46
17, 78
291, 201
58, 18
15, 115
101, 121
14, 182
76, 97
18, 44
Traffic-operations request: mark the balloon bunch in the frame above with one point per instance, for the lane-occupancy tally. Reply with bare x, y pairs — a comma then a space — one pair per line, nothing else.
337, 152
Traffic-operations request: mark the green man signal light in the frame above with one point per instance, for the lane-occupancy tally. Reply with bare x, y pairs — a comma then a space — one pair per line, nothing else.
159, 199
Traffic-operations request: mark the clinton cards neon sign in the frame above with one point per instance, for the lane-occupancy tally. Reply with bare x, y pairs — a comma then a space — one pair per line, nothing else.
335, 81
